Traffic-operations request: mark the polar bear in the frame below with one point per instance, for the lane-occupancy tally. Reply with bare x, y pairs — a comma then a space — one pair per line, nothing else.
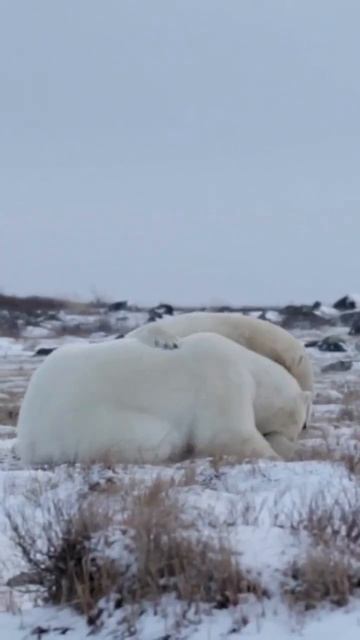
131, 402
261, 336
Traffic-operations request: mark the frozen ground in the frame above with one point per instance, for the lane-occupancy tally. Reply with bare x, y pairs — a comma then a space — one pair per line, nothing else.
253, 505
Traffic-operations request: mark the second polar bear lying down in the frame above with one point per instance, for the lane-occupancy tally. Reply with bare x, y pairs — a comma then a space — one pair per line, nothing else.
136, 403
258, 335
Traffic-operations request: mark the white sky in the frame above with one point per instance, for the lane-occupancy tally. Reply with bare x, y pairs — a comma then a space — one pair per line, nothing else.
180, 150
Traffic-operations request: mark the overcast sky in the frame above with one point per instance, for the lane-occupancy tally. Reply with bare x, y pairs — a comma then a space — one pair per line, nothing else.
180, 150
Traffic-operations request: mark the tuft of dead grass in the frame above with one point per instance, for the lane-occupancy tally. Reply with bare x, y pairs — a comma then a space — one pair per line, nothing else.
329, 570
331, 449
331, 522
322, 576
134, 544
33, 304
64, 568
9, 413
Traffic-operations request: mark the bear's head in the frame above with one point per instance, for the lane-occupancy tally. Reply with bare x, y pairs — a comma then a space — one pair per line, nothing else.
294, 418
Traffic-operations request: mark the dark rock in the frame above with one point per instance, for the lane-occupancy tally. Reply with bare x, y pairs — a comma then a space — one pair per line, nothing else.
51, 316
303, 316
121, 305
338, 366
44, 351
355, 327
153, 315
297, 309
346, 303
331, 344
346, 318
316, 306
311, 343
165, 309
161, 310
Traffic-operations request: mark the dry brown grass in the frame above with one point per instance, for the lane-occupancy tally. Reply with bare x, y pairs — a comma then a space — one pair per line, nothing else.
16, 312
322, 577
349, 457
9, 413
351, 395
33, 304
348, 401
348, 414
156, 551
64, 567
171, 558
331, 522
11, 399
329, 571
331, 449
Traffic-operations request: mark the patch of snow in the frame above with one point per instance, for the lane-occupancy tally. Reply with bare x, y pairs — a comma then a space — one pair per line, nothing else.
7, 431
36, 332
72, 319
271, 622
355, 297
327, 312
332, 394
273, 316
10, 347
249, 504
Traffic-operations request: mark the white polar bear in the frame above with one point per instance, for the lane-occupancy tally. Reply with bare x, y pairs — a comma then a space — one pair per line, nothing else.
135, 403
261, 336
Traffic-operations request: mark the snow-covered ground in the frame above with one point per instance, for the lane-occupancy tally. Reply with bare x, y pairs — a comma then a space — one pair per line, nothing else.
254, 506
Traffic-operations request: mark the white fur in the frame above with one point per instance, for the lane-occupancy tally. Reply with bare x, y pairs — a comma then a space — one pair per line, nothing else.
131, 402
260, 336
